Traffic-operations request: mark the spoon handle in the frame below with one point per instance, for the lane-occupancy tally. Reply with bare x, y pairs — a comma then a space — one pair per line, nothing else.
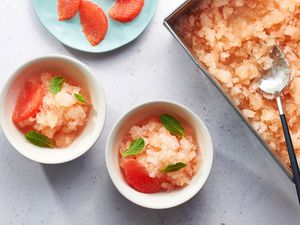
290, 147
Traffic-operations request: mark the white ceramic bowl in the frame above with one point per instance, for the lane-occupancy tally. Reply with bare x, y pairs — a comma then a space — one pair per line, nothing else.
74, 69
159, 200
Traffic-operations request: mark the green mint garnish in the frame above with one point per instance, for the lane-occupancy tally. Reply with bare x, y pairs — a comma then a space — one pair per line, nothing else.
56, 84
80, 98
173, 167
172, 125
135, 147
38, 139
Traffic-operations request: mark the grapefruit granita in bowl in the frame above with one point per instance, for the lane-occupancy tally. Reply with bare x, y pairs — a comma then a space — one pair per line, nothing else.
51, 110
159, 154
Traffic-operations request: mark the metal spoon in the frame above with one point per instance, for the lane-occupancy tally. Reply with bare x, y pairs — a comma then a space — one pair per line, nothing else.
275, 80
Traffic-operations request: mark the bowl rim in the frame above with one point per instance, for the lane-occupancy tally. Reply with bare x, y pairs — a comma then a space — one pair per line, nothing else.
88, 75
114, 177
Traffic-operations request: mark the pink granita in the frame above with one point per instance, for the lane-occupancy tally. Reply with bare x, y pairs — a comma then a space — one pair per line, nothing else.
60, 117
146, 170
233, 39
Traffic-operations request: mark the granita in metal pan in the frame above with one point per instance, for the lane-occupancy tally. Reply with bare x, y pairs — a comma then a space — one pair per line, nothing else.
51, 110
233, 39
159, 154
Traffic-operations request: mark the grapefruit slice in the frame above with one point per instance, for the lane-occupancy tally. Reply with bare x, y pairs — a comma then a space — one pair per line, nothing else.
66, 9
126, 10
29, 101
137, 177
94, 22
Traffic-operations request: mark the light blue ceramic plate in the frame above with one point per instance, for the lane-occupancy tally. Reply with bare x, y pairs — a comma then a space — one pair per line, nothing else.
69, 32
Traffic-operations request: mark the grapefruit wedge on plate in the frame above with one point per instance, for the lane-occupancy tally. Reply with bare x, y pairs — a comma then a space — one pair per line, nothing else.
66, 9
126, 10
94, 21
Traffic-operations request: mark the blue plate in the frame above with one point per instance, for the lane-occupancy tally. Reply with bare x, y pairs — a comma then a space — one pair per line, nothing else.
69, 32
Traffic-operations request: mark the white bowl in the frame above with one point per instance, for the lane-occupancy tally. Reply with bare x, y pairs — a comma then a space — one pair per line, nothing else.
164, 199
80, 73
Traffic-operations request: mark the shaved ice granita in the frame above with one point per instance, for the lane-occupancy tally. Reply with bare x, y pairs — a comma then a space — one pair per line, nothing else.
233, 40
51, 110
159, 154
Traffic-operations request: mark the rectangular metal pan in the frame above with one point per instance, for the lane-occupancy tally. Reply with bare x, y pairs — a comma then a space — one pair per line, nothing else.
169, 24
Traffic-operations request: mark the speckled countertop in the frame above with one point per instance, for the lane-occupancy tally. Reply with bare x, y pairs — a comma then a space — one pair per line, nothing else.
245, 186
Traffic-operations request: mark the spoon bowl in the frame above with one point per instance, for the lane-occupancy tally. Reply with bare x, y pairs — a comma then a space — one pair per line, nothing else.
278, 76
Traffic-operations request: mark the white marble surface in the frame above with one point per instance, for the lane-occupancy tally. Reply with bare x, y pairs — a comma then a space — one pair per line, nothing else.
245, 186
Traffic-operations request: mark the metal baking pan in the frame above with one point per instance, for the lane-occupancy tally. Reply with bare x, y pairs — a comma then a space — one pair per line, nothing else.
169, 24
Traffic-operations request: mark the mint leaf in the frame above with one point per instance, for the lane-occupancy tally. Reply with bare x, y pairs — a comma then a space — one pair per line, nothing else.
56, 84
173, 167
135, 147
38, 139
172, 125
80, 98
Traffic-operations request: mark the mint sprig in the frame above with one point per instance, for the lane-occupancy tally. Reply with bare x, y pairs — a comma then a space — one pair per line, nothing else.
80, 98
56, 84
136, 147
38, 139
173, 167
172, 125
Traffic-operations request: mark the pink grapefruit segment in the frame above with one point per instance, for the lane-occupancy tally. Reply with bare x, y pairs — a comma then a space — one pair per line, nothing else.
94, 22
66, 9
137, 177
29, 101
126, 10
